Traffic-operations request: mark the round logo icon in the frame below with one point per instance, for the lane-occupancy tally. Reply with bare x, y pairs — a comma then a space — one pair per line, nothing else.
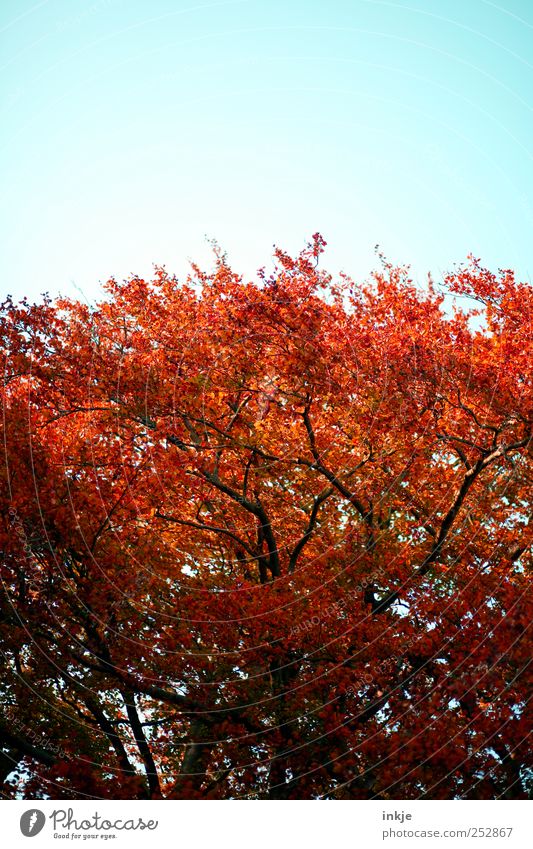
32, 822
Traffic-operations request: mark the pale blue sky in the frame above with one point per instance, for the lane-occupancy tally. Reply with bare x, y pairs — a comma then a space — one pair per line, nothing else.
133, 129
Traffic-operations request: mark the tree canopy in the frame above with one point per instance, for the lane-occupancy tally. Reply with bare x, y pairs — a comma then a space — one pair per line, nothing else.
268, 539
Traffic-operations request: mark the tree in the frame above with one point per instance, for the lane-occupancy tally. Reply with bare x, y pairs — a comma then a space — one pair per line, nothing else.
268, 539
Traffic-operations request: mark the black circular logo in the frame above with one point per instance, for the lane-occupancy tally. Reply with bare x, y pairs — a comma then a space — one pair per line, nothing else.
32, 822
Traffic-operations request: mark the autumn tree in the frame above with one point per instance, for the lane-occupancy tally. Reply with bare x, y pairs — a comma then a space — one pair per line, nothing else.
268, 539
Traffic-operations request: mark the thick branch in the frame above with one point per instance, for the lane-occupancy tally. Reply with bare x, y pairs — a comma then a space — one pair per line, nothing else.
111, 735
469, 478
295, 553
330, 476
142, 744
211, 528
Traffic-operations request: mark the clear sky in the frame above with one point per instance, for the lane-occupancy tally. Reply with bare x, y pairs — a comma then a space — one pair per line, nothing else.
133, 129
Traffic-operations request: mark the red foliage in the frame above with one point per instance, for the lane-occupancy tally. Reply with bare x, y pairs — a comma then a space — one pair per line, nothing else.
268, 539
